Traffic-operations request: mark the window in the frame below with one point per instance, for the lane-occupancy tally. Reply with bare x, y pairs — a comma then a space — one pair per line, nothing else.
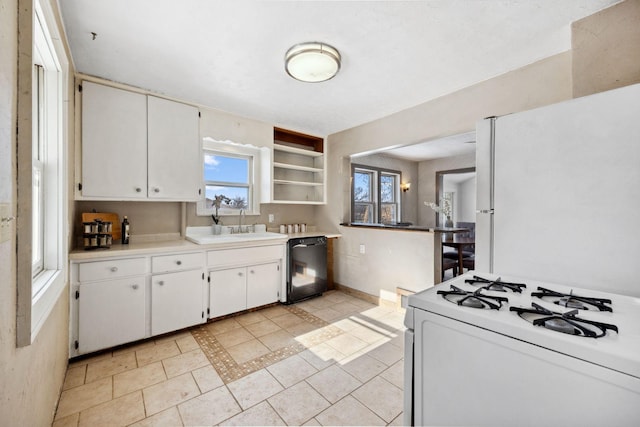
227, 178
230, 174
375, 195
37, 151
389, 200
42, 195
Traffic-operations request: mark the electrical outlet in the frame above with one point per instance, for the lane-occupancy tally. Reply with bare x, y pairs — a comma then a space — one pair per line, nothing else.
362, 249
5, 222
272, 218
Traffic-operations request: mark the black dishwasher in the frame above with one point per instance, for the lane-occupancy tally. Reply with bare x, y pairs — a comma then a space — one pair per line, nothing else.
306, 268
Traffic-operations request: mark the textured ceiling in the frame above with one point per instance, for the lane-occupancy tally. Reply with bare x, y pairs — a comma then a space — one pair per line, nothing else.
396, 54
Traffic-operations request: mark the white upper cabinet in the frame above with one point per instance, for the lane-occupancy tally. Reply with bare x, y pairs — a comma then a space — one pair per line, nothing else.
114, 143
136, 146
174, 168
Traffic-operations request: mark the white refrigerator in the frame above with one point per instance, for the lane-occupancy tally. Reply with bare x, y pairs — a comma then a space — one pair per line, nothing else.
558, 193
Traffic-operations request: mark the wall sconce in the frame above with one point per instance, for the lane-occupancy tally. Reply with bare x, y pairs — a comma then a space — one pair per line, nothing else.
405, 187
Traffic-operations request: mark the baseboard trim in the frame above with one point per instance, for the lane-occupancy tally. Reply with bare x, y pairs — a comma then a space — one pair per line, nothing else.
365, 296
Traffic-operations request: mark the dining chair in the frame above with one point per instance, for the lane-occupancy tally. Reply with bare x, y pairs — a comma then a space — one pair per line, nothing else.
452, 253
448, 264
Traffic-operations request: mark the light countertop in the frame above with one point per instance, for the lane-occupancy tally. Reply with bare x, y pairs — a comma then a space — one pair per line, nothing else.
178, 245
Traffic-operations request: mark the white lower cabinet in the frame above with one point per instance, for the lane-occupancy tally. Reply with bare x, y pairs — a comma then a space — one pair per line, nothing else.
237, 289
111, 313
176, 301
115, 301
177, 286
263, 284
244, 278
228, 291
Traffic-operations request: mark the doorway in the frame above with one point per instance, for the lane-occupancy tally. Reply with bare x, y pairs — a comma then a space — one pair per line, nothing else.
457, 188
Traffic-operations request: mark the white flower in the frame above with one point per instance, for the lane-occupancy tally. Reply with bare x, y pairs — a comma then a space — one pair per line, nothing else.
444, 209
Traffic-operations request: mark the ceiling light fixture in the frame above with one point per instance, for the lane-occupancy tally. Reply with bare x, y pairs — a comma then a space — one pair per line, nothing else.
312, 62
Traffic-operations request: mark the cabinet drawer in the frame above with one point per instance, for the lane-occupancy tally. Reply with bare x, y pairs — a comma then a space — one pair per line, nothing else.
244, 256
100, 270
177, 262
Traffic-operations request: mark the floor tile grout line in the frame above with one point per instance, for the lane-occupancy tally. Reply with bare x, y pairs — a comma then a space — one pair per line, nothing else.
264, 361
280, 354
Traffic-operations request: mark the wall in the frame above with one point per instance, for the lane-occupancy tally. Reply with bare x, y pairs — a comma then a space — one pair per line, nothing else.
604, 56
606, 49
544, 82
467, 204
409, 171
31, 376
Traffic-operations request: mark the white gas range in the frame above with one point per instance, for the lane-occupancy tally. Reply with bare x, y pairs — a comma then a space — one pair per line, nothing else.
481, 354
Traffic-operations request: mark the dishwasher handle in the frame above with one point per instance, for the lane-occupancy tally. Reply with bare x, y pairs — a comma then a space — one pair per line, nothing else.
300, 245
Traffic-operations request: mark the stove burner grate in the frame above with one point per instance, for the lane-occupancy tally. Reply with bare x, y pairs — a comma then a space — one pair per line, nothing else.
496, 285
475, 299
567, 323
574, 301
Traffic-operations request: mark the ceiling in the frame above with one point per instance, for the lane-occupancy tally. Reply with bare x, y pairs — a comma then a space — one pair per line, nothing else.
455, 145
228, 54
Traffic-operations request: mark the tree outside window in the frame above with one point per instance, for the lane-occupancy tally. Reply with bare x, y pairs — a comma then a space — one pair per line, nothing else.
375, 195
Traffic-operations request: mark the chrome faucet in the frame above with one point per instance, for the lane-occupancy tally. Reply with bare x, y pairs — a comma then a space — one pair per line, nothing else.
240, 221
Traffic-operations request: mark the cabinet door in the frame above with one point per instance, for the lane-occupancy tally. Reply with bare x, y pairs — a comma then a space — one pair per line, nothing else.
114, 143
174, 161
176, 301
111, 313
263, 284
228, 293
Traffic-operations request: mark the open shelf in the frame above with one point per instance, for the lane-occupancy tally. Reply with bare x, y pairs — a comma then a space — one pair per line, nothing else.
299, 164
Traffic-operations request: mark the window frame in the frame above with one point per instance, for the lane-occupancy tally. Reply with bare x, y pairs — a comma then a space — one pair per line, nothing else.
225, 209
40, 41
397, 177
231, 149
377, 203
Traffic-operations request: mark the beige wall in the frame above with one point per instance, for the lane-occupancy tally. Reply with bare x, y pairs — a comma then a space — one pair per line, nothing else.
31, 377
604, 56
606, 49
538, 84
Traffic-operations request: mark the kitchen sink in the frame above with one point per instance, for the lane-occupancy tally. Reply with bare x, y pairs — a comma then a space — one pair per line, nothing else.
203, 236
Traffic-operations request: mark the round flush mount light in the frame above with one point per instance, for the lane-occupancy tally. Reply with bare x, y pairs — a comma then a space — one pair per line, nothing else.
312, 62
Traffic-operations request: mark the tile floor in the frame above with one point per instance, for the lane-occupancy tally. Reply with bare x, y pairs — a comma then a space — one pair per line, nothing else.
332, 360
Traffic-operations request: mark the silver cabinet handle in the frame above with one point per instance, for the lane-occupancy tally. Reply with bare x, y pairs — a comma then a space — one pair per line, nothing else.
138, 190
253, 272
179, 262
156, 190
114, 269
161, 283
240, 273
134, 287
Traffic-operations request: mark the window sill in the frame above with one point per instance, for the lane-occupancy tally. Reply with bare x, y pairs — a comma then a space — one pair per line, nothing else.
51, 284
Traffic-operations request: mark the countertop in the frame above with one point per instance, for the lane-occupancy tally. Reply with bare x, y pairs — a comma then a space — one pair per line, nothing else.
405, 227
313, 234
178, 245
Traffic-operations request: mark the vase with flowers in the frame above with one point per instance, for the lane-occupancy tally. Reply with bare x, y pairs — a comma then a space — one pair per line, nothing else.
216, 203
444, 209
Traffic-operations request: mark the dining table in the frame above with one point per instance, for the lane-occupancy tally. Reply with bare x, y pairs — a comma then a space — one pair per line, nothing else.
459, 242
